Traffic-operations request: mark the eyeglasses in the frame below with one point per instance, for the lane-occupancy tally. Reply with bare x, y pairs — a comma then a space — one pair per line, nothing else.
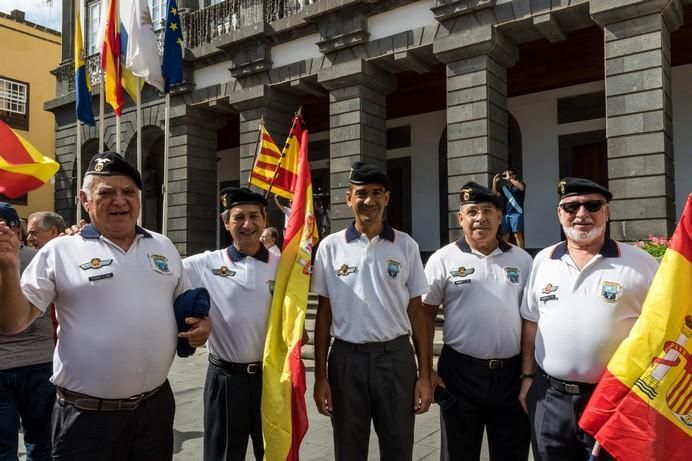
591, 206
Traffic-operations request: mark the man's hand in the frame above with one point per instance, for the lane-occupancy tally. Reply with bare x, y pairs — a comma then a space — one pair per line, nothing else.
437, 381
423, 396
323, 396
9, 248
497, 177
199, 332
523, 392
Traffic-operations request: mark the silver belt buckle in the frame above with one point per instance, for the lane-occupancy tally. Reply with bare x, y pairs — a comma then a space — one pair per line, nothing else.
252, 368
572, 388
494, 364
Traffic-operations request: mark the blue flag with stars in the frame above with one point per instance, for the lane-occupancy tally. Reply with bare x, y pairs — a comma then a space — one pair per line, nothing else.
172, 68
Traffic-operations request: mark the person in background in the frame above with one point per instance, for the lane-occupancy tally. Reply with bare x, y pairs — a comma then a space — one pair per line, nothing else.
42, 227
512, 191
269, 238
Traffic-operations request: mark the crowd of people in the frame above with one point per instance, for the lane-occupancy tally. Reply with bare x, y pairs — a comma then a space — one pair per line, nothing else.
525, 341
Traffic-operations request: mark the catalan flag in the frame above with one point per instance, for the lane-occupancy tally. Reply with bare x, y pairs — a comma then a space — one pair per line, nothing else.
274, 170
110, 59
284, 414
22, 167
642, 407
81, 76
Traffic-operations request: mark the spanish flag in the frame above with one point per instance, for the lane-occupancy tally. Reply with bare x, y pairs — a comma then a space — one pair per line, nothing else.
284, 415
110, 59
642, 407
22, 167
274, 170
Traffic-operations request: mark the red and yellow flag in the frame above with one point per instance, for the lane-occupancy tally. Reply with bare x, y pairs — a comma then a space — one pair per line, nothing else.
22, 167
284, 415
642, 407
110, 59
277, 170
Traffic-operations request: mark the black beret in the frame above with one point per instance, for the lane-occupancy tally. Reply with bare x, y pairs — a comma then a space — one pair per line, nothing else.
232, 196
475, 193
112, 164
9, 214
364, 173
577, 186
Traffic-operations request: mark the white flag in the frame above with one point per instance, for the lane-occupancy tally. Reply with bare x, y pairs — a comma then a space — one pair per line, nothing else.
137, 35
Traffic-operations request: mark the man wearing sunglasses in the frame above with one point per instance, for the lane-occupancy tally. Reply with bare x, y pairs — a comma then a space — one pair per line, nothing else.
583, 296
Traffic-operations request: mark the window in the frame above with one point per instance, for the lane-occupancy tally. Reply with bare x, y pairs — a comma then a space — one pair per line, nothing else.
158, 13
14, 100
94, 18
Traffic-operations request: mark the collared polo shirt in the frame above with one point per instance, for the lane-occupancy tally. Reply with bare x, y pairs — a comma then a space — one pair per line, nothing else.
481, 297
584, 315
117, 334
241, 289
369, 283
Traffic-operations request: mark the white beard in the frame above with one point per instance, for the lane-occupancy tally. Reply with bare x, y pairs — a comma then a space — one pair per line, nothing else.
583, 236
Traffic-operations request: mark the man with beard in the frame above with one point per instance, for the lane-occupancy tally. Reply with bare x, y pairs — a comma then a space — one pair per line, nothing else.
583, 296
369, 278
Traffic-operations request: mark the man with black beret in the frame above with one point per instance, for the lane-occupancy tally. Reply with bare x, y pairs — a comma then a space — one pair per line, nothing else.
26, 365
240, 281
479, 279
113, 287
582, 298
369, 278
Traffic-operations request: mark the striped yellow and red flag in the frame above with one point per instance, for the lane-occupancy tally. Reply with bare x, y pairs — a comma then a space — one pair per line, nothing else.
110, 59
284, 415
274, 170
642, 407
22, 167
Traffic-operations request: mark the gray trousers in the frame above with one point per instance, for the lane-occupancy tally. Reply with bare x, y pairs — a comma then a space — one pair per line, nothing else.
373, 382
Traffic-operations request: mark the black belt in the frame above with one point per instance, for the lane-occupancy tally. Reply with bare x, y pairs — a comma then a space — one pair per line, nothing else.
90, 403
492, 364
387, 346
236, 368
567, 387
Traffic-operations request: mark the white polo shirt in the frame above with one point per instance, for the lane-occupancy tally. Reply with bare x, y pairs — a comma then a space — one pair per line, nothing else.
369, 283
584, 315
241, 289
481, 297
117, 333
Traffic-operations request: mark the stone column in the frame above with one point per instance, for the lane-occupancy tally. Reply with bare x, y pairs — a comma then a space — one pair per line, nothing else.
639, 113
357, 126
192, 194
477, 62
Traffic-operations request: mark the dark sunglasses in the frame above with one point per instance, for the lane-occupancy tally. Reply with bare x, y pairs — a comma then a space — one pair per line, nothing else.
591, 206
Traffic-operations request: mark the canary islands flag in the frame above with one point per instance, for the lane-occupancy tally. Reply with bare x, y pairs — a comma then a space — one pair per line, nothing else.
81, 77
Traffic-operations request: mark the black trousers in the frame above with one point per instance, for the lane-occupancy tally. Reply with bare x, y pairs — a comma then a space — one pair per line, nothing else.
232, 414
144, 434
554, 415
373, 382
486, 399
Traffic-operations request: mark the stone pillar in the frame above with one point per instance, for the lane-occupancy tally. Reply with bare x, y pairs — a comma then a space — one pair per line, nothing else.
477, 144
639, 114
357, 126
192, 194
68, 7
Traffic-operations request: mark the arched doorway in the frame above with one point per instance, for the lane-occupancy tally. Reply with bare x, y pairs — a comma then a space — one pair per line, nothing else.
152, 175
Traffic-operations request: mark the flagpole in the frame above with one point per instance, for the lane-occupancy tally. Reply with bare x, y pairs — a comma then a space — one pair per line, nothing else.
139, 140
102, 101
78, 160
164, 188
117, 135
258, 147
283, 151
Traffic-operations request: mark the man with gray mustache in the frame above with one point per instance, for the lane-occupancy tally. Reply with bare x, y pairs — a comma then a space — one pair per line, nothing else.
583, 296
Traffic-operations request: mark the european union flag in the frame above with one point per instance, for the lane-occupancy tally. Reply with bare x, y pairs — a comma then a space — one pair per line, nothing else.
172, 68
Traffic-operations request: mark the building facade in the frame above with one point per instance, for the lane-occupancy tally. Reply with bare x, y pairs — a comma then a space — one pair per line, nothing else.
28, 54
438, 92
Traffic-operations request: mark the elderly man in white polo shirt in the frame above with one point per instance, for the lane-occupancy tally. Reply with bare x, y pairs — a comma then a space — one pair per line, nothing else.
479, 279
582, 298
113, 287
369, 278
240, 281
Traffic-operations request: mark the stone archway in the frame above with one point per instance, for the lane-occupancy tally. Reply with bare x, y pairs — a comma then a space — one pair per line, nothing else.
152, 175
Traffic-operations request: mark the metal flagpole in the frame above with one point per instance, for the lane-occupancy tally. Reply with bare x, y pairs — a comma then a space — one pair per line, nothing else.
117, 136
102, 103
139, 141
283, 151
78, 161
164, 188
258, 148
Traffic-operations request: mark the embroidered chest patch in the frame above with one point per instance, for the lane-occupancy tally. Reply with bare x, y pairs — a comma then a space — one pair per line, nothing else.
95, 263
160, 264
270, 285
393, 268
549, 292
461, 273
345, 270
223, 271
512, 275
611, 291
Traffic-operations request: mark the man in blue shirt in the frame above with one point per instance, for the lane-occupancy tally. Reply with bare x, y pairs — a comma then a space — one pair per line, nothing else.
511, 189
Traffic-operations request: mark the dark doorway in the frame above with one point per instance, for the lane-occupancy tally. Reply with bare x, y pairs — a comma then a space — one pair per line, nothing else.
399, 209
444, 189
591, 161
